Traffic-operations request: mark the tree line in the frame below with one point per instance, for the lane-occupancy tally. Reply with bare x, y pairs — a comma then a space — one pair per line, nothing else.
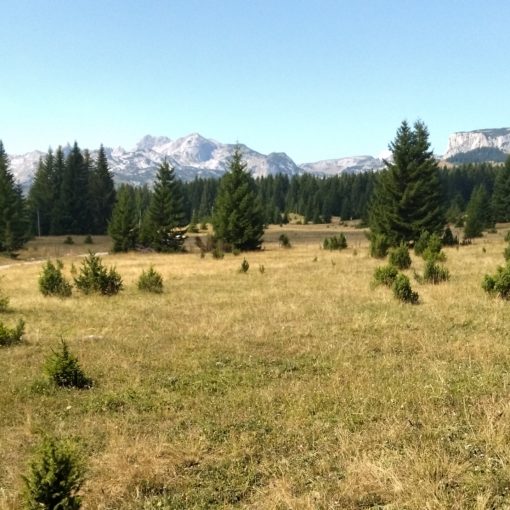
74, 193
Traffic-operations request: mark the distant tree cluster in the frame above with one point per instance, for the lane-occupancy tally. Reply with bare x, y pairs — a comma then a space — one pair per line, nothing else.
71, 194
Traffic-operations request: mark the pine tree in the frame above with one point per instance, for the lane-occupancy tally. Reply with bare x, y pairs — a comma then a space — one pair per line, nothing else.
74, 196
238, 217
123, 227
166, 221
102, 193
478, 213
501, 194
407, 198
56, 226
13, 224
41, 197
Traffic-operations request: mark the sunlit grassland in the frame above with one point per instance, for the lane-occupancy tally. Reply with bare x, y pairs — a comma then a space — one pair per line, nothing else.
301, 387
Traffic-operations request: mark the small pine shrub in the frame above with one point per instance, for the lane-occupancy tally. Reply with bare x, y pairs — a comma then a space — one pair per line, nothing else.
64, 371
218, 253
402, 290
262, 269
244, 266
433, 250
399, 257
507, 237
284, 241
499, 283
434, 273
94, 277
54, 478
338, 242
52, 282
236, 252
150, 281
11, 336
385, 275
448, 238
88, 240
506, 253
379, 246
68, 240
4, 302
421, 244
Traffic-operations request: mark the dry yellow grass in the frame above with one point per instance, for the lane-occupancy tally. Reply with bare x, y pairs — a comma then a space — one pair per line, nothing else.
298, 388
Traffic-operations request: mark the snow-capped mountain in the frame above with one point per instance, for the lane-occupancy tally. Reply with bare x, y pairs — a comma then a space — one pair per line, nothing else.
350, 165
195, 156
480, 145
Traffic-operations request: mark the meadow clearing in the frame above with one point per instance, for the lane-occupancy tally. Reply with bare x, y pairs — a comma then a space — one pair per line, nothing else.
299, 387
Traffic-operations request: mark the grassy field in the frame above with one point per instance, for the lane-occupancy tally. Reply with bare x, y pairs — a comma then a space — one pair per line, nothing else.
300, 387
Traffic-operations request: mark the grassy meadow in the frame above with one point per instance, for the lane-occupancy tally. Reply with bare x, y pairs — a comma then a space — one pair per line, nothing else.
299, 387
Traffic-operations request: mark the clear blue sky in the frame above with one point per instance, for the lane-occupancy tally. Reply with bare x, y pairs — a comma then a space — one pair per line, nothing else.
315, 78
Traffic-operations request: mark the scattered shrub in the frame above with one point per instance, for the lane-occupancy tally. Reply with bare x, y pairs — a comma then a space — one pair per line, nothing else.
379, 245
244, 266
54, 478
448, 238
52, 282
402, 290
150, 281
10, 336
507, 237
284, 241
506, 253
262, 269
88, 240
236, 252
64, 371
4, 302
68, 240
433, 248
94, 277
399, 256
434, 273
218, 253
385, 275
338, 242
499, 283
421, 244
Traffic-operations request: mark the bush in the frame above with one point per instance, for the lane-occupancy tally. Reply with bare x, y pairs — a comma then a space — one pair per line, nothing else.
217, 252
150, 281
94, 277
10, 336
385, 275
434, 273
52, 282
379, 245
88, 240
244, 266
284, 241
507, 236
399, 257
448, 238
64, 371
506, 253
4, 302
338, 242
499, 283
54, 479
402, 290
433, 248
421, 244
68, 240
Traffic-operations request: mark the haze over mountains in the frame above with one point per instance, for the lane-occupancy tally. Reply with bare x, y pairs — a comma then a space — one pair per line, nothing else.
195, 156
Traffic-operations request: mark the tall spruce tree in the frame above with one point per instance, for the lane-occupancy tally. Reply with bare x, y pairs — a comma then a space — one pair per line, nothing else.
238, 219
501, 193
407, 197
478, 213
102, 193
74, 196
165, 220
123, 227
56, 226
13, 224
41, 197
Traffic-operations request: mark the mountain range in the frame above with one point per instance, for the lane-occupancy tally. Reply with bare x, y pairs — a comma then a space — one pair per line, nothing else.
195, 156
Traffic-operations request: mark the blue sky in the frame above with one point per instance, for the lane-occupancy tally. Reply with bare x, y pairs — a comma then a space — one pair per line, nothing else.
317, 79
